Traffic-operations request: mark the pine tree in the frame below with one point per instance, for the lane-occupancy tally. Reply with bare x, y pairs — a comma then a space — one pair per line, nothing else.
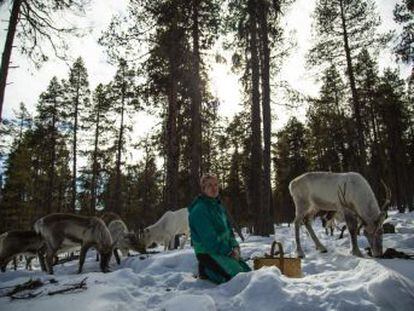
394, 125
36, 25
404, 15
50, 117
328, 126
77, 99
342, 29
290, 158
96, 118
123, 103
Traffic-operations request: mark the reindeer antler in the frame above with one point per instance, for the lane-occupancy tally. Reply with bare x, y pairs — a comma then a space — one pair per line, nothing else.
387, 196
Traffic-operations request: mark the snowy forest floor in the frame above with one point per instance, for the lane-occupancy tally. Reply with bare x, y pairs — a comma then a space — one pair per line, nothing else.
165, 281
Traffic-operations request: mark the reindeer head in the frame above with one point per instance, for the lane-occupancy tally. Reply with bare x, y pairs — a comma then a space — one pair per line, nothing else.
372, 227
135, 242
374, 232
146, 237
106, 254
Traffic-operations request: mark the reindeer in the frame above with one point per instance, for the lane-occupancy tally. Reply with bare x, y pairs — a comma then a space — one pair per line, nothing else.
14, 243
350, 195
165, 229
124, 240
67, 230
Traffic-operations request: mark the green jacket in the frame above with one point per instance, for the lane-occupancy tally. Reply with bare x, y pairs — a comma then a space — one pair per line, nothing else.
211, 233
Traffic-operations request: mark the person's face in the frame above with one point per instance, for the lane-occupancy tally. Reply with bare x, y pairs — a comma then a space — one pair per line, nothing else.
211, 188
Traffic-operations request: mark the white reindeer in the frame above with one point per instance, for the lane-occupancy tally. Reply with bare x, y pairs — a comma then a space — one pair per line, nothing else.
62, 231
347, 193
167, 227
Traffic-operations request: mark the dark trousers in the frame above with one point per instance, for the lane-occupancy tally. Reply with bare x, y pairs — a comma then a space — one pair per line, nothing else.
206, 261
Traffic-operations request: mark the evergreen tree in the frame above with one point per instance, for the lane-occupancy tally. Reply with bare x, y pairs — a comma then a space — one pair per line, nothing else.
342, 29
49, 122
77, 99
404, 15
36, 25
290, 159
394, 121
124, 102
96, 118
328, 126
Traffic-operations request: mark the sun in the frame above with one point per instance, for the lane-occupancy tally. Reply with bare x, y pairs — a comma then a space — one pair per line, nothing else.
226, 87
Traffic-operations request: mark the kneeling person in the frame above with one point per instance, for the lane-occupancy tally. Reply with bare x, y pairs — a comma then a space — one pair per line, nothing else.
213, 240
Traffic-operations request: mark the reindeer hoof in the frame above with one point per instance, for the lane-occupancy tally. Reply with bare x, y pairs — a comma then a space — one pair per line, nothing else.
300, 254
357, 253
323, 251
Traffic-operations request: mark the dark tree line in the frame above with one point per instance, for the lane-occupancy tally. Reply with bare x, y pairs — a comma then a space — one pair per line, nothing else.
72, 155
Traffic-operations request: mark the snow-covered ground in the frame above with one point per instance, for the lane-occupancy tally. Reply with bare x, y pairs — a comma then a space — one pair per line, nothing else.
164, 281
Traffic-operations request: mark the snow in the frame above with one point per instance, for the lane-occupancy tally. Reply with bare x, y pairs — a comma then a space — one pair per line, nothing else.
164, 281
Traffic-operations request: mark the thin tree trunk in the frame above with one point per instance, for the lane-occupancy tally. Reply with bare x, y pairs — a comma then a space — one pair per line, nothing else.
171, 195
51, 186
256, 148
195, 105
95, 162
267, 119
117, 202
5, 60
355, 98
75, 142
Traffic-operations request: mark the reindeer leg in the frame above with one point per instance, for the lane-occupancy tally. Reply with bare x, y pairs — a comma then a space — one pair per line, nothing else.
182, 244
299, 251
352, 224
315, 239
3, 264
82, 255
118, 260
50, 255
41, 257
29, 262
342, 232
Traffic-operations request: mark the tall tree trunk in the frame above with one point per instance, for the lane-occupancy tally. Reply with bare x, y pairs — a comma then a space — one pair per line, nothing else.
195, 104
95, 164
117, 201
355, 98
5, 60
267, 214
51, 186
75, 143
171, 187
256, 147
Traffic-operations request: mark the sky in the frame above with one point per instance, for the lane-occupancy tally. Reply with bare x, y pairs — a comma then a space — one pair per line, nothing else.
27, 83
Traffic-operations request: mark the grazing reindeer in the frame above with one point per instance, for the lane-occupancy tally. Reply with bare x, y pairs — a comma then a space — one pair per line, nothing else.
167, 227
107, 217
124, 240
14, 243
350, 195
68, 230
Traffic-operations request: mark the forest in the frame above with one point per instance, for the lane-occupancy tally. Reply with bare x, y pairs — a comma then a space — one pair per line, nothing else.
72, 154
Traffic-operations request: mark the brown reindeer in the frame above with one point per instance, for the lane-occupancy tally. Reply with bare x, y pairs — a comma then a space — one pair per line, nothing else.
68, 230
14, 243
